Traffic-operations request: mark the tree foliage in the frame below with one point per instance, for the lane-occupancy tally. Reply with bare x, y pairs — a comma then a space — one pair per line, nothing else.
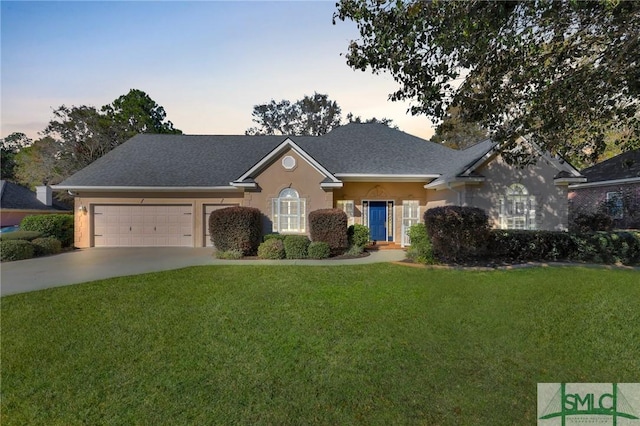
457, 133
562, 72
79, 135
9, 148
312, 115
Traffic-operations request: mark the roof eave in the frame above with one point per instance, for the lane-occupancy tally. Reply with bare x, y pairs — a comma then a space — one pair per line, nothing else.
365, 177
78, 188
586, 184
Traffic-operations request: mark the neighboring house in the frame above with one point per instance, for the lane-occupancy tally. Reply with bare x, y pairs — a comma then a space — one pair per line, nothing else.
612, 187
160, 189
17, 202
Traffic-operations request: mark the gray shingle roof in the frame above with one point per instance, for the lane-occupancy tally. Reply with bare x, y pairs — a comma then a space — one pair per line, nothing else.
190, 161
623, 166
17, 197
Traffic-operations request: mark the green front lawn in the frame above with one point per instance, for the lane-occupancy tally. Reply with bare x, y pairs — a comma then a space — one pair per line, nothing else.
372, 344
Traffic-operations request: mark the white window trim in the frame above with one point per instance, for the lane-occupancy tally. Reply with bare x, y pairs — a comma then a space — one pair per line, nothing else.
406, 216
347, 206
518, 193
296, 222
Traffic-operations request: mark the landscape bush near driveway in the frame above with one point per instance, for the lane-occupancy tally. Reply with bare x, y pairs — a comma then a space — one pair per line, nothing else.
58, 226
366, 344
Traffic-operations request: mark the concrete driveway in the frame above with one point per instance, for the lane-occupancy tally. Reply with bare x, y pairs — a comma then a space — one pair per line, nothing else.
92, 264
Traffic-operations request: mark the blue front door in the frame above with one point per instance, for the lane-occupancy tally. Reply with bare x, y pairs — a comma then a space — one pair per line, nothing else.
378, 220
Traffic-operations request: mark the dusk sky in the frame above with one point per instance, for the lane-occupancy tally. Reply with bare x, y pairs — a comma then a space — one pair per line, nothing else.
207, 63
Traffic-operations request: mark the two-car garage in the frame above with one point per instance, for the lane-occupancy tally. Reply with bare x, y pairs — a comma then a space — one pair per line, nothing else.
143, 225
161, 225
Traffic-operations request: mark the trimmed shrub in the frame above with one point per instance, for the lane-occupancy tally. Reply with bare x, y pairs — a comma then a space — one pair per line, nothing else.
358, 235
607, 247
594, 247
457, 233
591, 222
280, 237
330, 226
318, 250
236, 228
15, 250
58, 226
20, 235
295, 246
229, 255
272, 248
46, 246
520, 245
420, 250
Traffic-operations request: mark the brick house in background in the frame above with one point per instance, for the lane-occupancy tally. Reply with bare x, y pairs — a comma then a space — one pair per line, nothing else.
612, 187
16, 202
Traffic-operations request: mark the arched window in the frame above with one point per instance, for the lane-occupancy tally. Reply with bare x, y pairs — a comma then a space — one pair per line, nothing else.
289, 212
517, 208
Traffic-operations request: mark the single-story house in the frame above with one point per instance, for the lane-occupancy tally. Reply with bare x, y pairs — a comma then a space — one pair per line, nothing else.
17, 201
158, 190
612, 187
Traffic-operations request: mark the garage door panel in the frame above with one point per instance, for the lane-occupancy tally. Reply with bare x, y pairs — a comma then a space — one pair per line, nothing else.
128, 225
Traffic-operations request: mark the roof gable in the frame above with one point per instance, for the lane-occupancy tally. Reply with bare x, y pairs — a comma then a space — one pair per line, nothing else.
286, 145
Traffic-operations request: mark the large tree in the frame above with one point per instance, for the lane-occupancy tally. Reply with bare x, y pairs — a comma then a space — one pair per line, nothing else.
312, 115
457, 133
562, 72
79, 135
9, 148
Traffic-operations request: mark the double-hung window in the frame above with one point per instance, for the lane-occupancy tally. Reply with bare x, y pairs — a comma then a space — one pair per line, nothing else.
615, 205
410, 217
347, 206
517, 208
289, 212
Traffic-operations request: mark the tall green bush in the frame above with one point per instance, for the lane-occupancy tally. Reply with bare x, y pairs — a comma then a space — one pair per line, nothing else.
457, 233
420, 250
20, 235
58, 226
358, 235
330, 226
236, 228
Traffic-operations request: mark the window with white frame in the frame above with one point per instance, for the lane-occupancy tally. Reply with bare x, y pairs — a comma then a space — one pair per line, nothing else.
347, 206
615, 205
289, 212
410, 217
517, 208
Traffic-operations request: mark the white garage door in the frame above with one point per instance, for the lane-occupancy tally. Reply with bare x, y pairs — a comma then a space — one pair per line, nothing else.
208, 208
142, 226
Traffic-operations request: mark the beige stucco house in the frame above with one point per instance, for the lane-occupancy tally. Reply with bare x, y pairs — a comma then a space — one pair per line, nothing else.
158, 190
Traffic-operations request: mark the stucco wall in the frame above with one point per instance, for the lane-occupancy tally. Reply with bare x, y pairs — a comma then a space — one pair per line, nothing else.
551, 200
83, 219
304, 178
383, 191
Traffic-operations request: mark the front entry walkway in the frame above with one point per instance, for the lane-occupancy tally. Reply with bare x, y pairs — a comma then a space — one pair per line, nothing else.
99, 263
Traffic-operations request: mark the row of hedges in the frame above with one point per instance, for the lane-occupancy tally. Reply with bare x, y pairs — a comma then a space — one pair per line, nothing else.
239, 229
15, 249
276, 246
462, 234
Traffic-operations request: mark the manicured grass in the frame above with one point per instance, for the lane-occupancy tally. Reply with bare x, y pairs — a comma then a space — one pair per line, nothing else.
372, 344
